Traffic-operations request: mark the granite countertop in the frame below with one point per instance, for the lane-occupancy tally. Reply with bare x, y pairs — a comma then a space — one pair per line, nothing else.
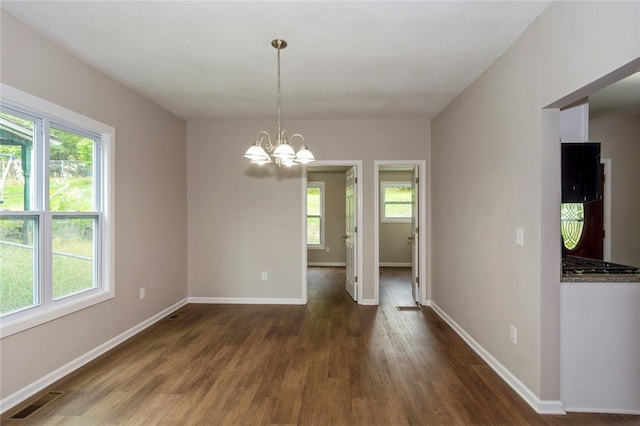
600, 278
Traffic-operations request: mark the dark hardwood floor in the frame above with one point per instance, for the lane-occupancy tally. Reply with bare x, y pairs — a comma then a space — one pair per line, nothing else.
395, 287
331, 362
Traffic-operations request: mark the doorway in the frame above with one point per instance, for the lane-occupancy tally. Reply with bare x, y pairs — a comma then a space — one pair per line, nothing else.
332, 221
400, 232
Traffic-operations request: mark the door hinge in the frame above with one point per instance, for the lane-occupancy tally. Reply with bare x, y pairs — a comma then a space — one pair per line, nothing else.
418, 281
417, 230
355, 180
604, 234
355, 230
417, 180
355, 280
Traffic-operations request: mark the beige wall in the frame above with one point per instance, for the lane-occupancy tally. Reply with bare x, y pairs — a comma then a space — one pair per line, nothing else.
150, 204
253, 223
620, 137
395, 247
334, 215
495, 168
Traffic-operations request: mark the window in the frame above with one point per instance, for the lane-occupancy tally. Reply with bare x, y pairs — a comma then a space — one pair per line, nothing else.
315, 215
571, 224
56, 236
397, 204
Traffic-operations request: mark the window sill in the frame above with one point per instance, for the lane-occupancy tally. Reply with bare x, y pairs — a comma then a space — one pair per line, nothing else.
395, 220
50, 313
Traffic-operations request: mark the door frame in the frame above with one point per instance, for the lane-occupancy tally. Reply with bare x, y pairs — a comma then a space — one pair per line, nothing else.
359, 203
422, 224
606, 213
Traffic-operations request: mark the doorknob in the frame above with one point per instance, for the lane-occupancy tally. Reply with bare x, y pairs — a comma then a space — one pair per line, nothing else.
411, 237
344, 237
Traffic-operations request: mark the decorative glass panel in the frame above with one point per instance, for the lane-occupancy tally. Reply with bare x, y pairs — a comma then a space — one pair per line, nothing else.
572, 223
18, 263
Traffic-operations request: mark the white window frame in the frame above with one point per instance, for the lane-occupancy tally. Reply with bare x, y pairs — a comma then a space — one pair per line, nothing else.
318, 184
383, 202
105, 261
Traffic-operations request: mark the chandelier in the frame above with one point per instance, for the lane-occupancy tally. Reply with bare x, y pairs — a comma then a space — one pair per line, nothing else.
281, 151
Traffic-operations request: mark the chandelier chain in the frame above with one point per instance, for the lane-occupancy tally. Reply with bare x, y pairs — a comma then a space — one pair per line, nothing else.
279, 132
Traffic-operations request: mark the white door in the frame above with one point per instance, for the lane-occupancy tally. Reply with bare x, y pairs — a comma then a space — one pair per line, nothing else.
350, 236
415, 238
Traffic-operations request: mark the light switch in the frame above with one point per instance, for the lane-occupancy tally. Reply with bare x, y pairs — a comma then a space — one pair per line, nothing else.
520, 237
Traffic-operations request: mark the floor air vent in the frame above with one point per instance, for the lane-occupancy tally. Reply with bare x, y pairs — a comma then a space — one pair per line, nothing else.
409, 308
36, 405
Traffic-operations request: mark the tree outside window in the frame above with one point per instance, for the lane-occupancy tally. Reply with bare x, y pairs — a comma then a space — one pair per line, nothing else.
397, 201
50, 197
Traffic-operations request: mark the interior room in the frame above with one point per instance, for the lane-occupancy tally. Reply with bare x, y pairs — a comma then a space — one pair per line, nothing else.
131, 150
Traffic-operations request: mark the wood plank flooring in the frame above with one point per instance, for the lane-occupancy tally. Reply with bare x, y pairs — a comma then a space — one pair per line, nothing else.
331, 362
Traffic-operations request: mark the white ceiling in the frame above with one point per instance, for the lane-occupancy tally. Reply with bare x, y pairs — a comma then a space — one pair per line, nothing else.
208, 60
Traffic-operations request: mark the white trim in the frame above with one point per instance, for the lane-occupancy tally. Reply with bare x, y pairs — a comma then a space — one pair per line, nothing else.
50, 313
247, 301
383, 202
336, 264
359, 250
34, 105
368, 302
35, 387
540, 406
606, 217
303, 248
601, 410
317, 184
395, 264
425, 237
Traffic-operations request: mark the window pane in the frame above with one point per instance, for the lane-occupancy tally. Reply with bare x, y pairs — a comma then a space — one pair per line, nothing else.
313, 201
74, 242
18, 263
16, 158
70, 172
313, 230
397, 198
398, 211
397, 193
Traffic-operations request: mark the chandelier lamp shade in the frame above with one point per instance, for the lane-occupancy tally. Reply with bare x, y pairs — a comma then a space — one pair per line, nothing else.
266, 150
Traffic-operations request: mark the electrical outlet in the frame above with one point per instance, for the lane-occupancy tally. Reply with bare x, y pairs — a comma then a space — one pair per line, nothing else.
327, 249
265, 276
142, 293
513, 335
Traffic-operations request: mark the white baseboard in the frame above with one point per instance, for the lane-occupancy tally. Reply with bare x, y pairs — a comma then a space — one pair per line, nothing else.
601, 411
337, 264
35, 387
395, 264
246, 301
540, 406
368, 302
